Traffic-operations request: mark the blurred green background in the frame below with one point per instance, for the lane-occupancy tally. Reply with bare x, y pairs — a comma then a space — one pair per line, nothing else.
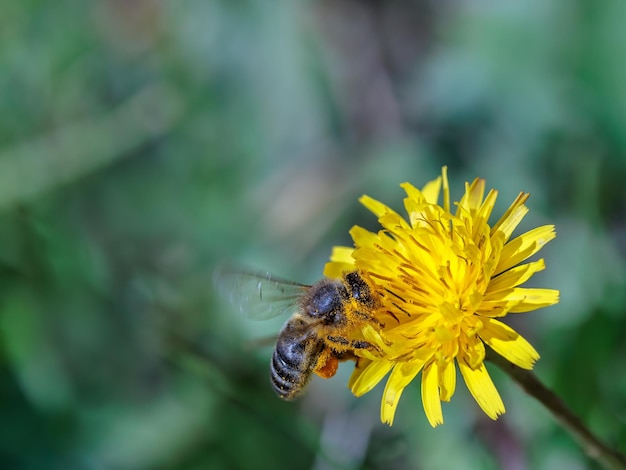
143, 141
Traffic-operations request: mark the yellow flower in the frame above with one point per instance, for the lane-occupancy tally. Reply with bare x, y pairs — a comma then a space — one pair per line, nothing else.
443, 279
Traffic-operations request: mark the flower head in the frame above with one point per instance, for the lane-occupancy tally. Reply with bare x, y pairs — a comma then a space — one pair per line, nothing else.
443, 278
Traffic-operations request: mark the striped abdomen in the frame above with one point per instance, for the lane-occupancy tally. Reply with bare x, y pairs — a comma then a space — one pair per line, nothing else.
295, 355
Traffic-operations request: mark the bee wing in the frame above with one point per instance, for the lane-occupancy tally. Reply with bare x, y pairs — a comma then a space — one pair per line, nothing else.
258, 295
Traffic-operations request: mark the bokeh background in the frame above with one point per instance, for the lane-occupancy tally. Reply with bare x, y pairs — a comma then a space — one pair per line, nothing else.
143, 141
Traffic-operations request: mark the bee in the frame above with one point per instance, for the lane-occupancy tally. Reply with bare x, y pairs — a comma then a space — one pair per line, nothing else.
322, 330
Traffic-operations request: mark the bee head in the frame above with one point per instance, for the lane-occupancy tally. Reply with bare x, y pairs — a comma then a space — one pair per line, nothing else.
360, 291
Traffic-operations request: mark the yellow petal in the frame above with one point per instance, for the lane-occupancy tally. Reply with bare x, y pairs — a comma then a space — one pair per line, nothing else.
393, 221
377, 207
446, 189
521, 299
342, 254
336, 270
416, 212
476, 194
497, 307
431, 191
400, 377
341, 260
524, 246
512, 217
377, 338
363, 237
359, 367
515, 276
370, 376
447, 380
532, 299
472, 199
482, 389
473, 350
517, 300
482, 216
509, 344
430, 394
413, 193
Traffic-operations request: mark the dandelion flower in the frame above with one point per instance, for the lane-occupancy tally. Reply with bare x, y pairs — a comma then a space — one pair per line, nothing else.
444, 279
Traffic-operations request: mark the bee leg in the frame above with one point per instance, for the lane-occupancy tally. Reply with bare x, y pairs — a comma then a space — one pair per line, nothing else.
345, 343
338, 340
369, 318
361, 344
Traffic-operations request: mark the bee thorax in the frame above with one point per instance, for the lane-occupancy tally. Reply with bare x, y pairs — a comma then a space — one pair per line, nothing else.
325, 299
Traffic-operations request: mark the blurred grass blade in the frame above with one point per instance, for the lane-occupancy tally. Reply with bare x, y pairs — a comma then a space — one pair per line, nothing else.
78, 149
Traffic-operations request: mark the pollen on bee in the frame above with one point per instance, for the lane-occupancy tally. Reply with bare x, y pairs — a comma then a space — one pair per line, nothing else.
327, 365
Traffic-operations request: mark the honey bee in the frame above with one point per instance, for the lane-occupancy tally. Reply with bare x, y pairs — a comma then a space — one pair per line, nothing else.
322, 329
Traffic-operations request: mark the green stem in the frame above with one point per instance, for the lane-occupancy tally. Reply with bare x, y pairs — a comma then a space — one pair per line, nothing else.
609, 458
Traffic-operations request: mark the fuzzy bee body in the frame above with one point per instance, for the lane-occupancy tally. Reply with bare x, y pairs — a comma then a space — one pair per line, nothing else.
323, 329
